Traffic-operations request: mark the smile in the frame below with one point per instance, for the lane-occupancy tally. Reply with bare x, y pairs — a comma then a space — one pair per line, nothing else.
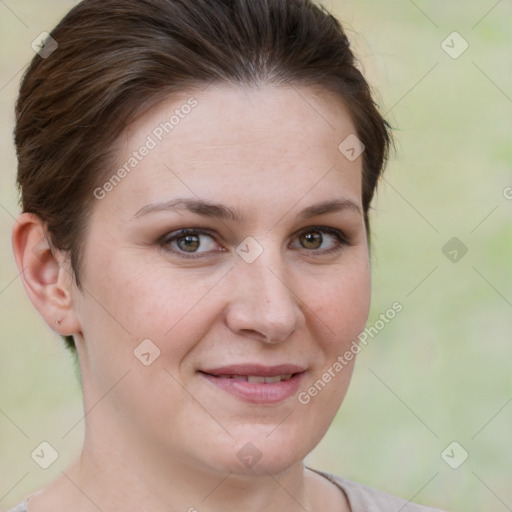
256, 384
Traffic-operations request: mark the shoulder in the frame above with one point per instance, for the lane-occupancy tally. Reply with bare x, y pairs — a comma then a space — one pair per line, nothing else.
364, 498
21, 507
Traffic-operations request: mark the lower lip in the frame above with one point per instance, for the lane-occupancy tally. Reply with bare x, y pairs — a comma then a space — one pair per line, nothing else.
258, 392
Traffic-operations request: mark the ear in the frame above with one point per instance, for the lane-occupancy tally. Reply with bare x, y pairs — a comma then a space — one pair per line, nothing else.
45, 274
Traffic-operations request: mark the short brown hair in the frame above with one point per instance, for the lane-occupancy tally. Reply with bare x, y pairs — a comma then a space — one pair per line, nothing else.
116, 57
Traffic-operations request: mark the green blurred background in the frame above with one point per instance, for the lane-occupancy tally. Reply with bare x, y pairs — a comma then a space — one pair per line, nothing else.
441, 370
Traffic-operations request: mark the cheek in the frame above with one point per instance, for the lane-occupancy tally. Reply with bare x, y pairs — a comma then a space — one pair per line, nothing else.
341, 311
168, 306
342, 305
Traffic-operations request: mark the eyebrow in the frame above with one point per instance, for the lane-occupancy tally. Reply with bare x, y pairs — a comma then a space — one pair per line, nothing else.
223, 212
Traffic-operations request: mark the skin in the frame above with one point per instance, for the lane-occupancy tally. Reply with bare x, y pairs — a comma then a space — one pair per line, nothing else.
163, 431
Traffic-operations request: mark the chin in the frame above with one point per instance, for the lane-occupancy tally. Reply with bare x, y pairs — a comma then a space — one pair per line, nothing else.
273, 451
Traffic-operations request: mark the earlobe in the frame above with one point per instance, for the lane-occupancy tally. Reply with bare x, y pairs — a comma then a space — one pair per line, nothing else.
44, 275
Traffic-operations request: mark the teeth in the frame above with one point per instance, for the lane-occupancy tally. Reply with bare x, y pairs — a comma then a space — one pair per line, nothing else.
276, 378
256, 378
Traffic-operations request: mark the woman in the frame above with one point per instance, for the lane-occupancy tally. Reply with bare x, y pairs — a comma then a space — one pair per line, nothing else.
152, 137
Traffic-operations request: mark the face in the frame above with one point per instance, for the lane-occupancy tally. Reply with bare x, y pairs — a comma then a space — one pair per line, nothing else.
205, 344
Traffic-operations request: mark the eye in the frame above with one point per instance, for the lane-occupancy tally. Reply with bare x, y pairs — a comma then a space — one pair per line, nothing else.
189, 241
313, 237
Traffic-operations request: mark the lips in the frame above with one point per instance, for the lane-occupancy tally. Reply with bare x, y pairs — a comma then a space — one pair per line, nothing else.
257, 383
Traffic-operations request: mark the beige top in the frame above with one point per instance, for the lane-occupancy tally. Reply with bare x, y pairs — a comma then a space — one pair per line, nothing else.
360, 497
365, 499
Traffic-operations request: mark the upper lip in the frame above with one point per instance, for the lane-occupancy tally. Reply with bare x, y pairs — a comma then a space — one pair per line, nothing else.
255, 369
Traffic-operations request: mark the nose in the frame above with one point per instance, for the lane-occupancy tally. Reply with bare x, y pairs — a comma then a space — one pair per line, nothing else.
263, 303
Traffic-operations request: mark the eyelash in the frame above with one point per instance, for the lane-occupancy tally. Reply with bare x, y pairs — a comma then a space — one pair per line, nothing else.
339, 236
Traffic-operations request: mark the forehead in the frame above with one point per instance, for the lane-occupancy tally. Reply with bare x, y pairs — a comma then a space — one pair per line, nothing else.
267, 142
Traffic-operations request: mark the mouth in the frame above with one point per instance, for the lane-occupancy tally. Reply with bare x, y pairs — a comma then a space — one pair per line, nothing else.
257, 378
256, 383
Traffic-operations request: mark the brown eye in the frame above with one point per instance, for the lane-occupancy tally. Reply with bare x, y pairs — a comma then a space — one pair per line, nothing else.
311, 240
188, 243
